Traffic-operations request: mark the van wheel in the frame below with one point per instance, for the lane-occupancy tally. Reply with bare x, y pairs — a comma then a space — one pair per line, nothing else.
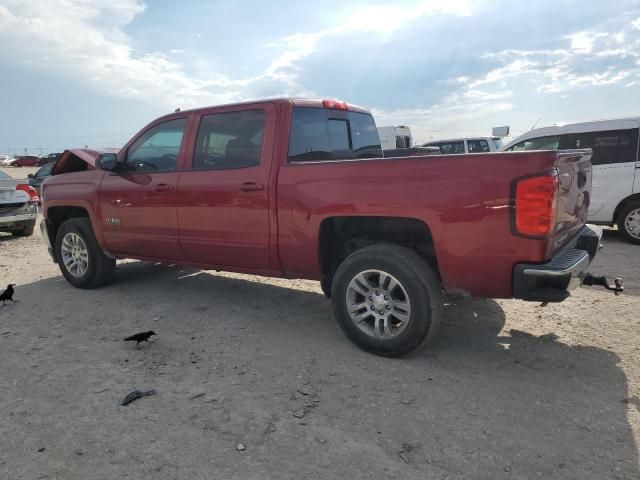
629, 222
80, 258
387, 300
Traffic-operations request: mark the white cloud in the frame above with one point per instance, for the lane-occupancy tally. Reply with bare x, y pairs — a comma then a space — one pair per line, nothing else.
636, 23
86, 39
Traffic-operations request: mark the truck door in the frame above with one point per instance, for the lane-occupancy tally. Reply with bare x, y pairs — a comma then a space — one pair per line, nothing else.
223, 194
138, 204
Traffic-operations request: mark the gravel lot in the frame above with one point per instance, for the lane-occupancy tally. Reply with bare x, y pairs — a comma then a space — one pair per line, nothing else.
507, 390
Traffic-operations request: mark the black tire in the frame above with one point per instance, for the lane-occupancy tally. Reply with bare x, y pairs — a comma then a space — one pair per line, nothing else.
100, 268
24, 232
420, 283
620, 221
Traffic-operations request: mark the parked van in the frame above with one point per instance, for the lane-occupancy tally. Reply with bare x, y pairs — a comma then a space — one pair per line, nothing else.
466, 145
395, 137
616, 167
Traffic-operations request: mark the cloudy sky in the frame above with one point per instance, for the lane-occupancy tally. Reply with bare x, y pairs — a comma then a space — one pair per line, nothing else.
76, 72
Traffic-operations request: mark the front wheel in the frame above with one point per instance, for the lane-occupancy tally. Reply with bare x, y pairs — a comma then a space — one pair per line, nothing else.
80, 258
629, 222
387, 300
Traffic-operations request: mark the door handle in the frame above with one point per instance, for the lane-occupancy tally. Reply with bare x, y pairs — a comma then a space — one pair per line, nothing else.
162, 187
251, 187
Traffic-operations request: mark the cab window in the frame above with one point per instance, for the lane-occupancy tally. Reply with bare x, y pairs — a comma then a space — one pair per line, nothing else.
229, 140
157, 149
478, 146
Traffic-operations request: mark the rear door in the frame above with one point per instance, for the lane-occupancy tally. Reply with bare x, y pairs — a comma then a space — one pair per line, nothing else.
138, 205
223, 195
614, 164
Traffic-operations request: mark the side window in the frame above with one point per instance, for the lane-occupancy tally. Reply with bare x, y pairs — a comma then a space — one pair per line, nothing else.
540, 143
229, 140
157, 149
319, 134
478, 146
613, 146
451, 148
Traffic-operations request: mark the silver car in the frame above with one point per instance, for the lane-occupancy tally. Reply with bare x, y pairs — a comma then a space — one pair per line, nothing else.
18, 206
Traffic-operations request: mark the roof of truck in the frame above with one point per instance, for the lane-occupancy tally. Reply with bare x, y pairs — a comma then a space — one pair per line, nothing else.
298, 102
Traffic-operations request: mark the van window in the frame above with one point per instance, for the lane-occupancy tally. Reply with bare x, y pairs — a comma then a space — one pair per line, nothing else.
540, 143
478, 146
403, 141
612, 146
322, 134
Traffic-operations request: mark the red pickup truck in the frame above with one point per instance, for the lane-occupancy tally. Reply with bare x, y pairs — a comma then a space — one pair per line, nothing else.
300, 189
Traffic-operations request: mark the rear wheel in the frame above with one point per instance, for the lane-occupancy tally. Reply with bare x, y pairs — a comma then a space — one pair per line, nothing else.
387, 300
629, 222
80, 258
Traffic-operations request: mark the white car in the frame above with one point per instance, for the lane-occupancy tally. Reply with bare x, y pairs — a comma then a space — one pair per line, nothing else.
616, 167
18, 206
6, 160
466, 145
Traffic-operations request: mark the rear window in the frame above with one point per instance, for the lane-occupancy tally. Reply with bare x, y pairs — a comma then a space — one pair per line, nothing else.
448, 148
541, 143
322, 134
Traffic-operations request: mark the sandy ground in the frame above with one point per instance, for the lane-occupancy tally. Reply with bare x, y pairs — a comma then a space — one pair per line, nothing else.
507, 390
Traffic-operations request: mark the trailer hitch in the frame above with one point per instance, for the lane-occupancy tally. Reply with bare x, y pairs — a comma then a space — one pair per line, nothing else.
601, 280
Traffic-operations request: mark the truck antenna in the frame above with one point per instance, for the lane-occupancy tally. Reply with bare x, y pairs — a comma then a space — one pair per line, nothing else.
537, 121
176, 110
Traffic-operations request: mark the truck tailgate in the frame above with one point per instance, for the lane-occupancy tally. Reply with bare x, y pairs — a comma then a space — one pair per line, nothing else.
574, 195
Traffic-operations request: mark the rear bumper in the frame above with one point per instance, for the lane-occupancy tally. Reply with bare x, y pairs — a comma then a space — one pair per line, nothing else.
18, 217
552, 281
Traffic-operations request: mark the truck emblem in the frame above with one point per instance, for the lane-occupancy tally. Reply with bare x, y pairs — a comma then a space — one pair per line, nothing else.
113, 221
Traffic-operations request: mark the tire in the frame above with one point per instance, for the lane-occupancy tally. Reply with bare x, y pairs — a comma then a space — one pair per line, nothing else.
629, 213
99, 268
418, 287
24, 232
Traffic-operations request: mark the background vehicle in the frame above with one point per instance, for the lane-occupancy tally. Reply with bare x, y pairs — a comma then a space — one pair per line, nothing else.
395, 137
26, 161
18, 206
6, 160
35, 180
51, 158
616, 166
300, 189
466, 145
411, 152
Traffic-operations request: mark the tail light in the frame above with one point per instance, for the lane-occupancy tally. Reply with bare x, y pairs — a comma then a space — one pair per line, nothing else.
33, 194
335, 105
534, 202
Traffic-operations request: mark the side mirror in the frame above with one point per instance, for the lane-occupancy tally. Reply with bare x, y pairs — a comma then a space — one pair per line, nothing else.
108, 162
30, 175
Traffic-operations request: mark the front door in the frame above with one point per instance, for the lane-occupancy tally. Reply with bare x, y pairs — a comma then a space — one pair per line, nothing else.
223, 195
138, 205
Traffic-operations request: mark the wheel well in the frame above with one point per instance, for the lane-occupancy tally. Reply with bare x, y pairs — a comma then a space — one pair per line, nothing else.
624, 203
58, 215
341, 236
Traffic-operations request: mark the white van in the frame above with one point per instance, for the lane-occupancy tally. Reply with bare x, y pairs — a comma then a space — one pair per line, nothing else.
616, 166
395, 137
466, 145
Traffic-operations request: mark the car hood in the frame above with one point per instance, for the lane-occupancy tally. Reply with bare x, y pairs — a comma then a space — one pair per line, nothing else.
79, 159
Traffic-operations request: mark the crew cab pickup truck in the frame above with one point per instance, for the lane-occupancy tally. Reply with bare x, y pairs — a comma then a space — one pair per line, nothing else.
300, 189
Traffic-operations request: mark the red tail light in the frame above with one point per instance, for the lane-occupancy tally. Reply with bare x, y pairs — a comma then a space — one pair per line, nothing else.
534, 212
335, 105
33, 194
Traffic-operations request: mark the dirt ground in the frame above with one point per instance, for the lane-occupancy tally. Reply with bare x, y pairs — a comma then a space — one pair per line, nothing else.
508, 389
